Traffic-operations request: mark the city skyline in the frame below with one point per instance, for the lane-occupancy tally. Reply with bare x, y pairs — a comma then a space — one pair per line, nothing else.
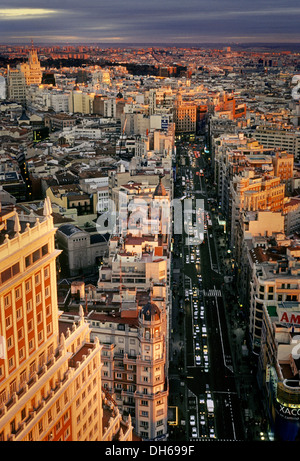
134, 22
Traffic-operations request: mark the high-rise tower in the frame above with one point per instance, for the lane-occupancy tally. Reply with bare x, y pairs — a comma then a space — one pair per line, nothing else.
50, 371
32, 68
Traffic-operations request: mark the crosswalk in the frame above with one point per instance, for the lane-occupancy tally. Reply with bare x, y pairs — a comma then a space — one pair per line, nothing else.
212, 293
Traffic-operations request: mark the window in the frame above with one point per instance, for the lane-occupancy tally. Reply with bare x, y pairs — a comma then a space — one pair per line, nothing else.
40, 427
36, 255
11, 363
57, 406
44, 250
21, 353
19, 313
39, 317
18, 293
10, 272
8, 322
28, 285
20, 334
31, 345
28, 261
29, 305
10, 342
7, 300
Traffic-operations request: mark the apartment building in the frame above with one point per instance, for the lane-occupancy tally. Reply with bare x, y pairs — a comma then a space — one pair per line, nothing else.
279, 368
254, 230
16, 85
133, 304
32, 69
134, 361
275, 279
185, 116
254, 190
287, 140
50, 372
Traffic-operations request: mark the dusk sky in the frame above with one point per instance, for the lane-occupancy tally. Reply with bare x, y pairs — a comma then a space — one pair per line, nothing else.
149, 21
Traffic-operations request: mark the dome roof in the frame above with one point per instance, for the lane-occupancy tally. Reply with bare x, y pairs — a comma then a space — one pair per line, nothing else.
160, 190
150, 311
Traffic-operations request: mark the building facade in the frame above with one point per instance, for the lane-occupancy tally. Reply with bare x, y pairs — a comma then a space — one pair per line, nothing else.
50, 372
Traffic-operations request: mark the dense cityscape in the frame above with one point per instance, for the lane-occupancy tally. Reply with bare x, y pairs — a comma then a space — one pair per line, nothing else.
149, 243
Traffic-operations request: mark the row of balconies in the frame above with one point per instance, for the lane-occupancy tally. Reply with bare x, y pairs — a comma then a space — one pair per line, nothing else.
16, 397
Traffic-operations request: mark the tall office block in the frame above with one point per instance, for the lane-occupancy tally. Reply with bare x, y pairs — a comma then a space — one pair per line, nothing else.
50, 372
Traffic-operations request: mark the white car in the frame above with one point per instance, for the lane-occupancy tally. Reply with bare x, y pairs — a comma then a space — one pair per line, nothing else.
194, 432
192, 420
198, 360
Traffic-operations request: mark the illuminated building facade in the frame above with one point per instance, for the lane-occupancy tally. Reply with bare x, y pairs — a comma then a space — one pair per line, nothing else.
185, 116
50, 371
32, 69
131, 320
279, 369
16, 85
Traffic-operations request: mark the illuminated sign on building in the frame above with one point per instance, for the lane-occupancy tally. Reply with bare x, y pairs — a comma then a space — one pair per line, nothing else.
289, 317
289, 412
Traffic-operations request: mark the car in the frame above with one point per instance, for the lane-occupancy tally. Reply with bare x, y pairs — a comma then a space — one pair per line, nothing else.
197, 329
192, 420
202, 420
194, 432
197, 345
198, 360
